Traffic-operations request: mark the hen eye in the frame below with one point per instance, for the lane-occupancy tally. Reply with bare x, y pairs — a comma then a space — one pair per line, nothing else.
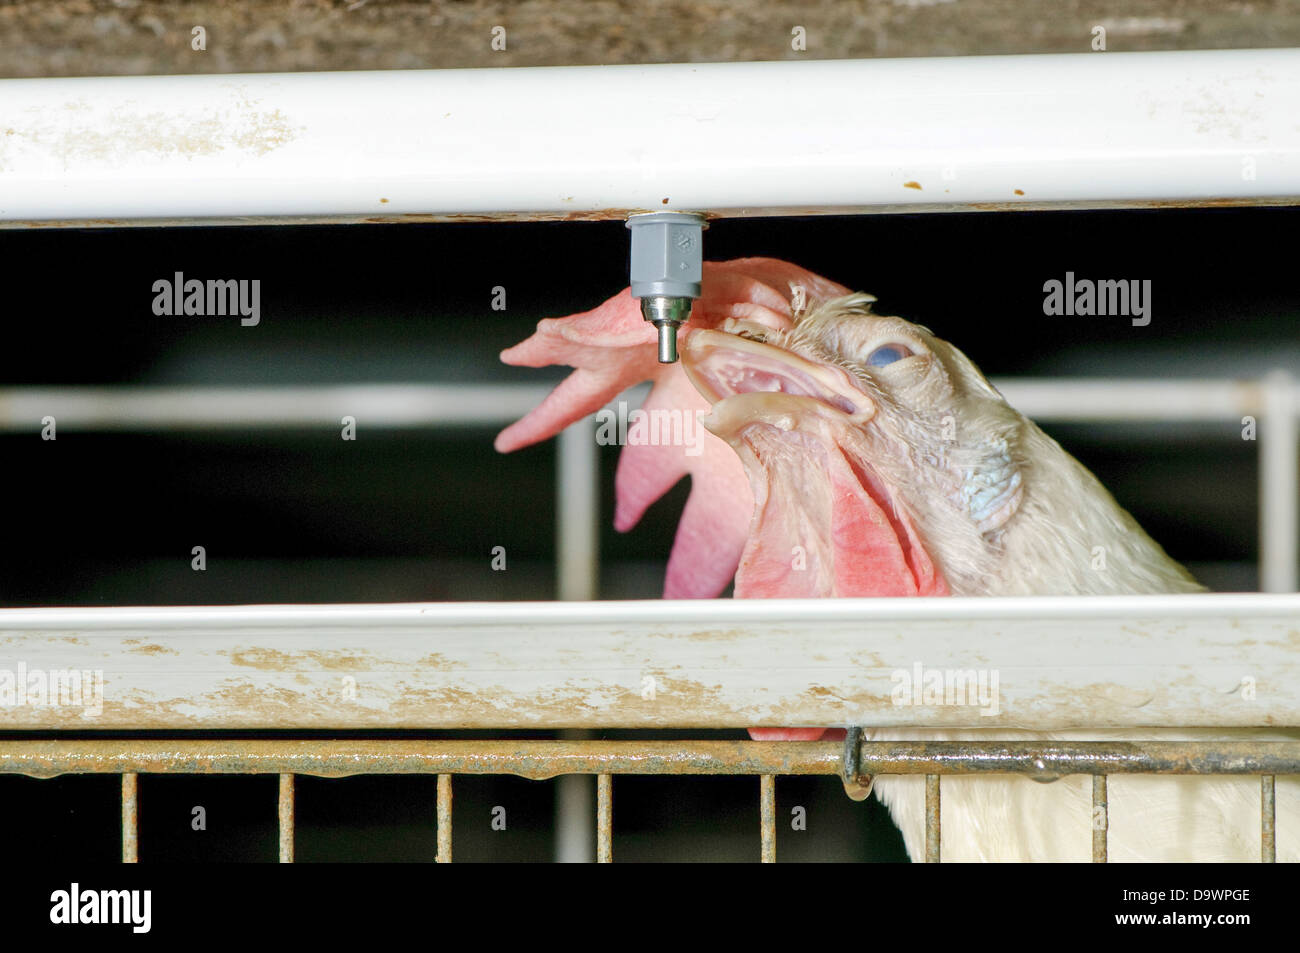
887, 354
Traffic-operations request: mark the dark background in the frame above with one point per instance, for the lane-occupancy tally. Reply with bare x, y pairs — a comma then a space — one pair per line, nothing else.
411, 515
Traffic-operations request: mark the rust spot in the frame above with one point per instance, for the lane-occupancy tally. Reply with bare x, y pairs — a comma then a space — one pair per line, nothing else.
153, 650
708, 635
271, 660
596, 215
868, 660
665, 201
461, 708
1019, 192
383, 201
684, 691
820, 698
912, 185
268, 702
1126, 203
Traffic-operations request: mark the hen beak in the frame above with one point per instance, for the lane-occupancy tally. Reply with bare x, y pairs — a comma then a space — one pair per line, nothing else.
743, 376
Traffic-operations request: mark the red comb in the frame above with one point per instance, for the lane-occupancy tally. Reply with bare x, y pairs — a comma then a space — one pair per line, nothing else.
612, 348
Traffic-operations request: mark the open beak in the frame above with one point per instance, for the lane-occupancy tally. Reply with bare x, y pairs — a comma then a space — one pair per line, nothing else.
727, 365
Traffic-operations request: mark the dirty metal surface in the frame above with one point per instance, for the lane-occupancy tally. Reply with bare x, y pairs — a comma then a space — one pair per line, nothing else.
540, 760
618, 215
1046, 761
1046, 664
1140, 130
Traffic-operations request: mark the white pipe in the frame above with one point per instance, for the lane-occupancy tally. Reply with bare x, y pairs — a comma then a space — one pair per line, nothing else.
1130, 399
575, 810
421, 405
1275, 401
376, 405
577, 496
590, 142
577, 567
550, 618
1279, 459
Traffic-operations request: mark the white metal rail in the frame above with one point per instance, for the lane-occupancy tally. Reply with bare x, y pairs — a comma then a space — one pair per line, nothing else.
1081, 130
1048, 663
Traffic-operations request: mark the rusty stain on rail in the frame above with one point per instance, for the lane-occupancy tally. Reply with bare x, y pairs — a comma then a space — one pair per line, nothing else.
537, 760
1045, 761
540, 760
619, 214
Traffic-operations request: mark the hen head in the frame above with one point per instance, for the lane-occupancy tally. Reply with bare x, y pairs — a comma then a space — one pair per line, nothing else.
867, 456
883, 463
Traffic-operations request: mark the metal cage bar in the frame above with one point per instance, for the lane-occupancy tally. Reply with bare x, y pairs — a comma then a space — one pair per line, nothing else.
130, 817
285, 813
604, 819
1100, 819
767, 818
544, 759
1267, 819
933, 819
540, 760
444, 819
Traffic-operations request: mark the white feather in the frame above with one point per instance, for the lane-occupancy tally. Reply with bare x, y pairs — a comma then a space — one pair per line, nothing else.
1004, 510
